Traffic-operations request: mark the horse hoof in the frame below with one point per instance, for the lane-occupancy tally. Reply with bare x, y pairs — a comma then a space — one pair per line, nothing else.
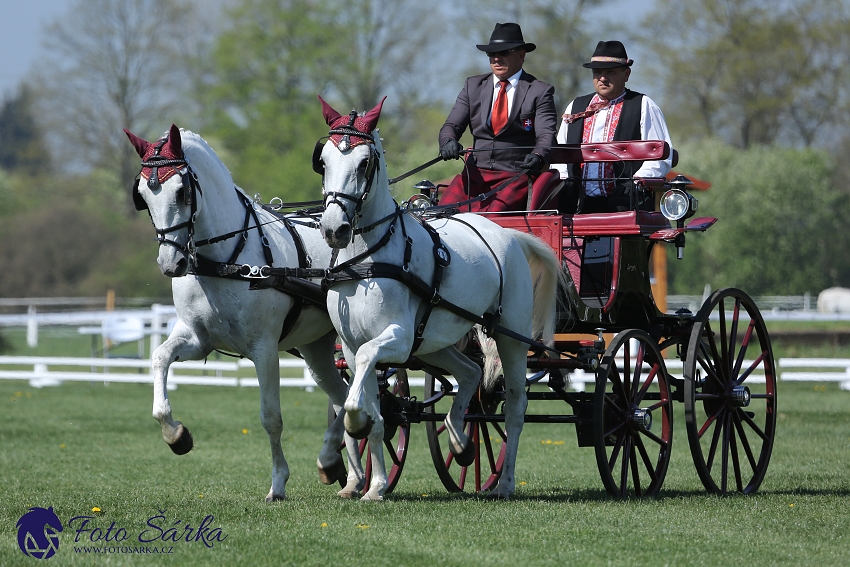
275, 497
348, 494
372, 498
332, 474
184, 442
363, 432
467, 456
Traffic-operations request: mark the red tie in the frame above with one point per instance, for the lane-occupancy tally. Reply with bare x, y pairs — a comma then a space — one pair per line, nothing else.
499, 119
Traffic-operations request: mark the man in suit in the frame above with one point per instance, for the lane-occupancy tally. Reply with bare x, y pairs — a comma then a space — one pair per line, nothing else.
511, 116
612, 113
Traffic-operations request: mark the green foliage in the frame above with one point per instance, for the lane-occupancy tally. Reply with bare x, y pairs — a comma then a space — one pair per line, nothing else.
69, 237
22, 147
781, 222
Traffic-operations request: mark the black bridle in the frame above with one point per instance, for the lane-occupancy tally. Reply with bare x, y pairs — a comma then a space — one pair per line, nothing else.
190, 189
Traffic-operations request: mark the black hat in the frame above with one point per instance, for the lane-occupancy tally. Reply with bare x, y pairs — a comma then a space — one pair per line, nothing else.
504, 37
609, 54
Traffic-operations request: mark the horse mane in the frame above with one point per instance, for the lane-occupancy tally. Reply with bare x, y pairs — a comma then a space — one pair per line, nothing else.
199, 153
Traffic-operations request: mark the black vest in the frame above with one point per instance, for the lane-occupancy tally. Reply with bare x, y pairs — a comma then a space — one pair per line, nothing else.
628, 128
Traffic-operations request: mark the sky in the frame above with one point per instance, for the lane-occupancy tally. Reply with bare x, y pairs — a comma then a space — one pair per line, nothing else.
23, 23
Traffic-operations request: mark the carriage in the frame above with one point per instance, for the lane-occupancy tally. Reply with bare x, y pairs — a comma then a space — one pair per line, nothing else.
718, 362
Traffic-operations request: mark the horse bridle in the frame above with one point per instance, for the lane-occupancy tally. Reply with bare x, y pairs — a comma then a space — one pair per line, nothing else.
190, 188
372, 165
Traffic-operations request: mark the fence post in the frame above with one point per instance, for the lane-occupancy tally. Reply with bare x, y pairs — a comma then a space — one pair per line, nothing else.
32, 327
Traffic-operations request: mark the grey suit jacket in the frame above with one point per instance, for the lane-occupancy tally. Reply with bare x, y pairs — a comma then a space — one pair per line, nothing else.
531, 124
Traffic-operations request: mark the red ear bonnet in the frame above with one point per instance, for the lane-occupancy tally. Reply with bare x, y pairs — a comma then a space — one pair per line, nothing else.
172, 149
364, 124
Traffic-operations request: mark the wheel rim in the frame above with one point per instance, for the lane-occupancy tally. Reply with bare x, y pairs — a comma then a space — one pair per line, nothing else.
488, 438
730, 412
632, 416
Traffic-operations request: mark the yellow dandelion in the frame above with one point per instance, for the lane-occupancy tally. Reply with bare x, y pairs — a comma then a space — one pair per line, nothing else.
363, 526
324, 524
62, 446
245, 431
558, 443
790, 505
19, 394
200, 495
96, 510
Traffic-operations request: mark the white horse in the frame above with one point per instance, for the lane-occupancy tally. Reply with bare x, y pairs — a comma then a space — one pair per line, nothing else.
486, 271
192, 199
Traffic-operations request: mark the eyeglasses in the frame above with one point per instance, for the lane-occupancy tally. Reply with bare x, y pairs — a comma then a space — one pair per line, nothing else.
492, 54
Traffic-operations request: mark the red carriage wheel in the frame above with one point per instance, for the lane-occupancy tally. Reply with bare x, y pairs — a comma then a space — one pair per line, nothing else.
396, 433
632, 416
488, 438
730, 393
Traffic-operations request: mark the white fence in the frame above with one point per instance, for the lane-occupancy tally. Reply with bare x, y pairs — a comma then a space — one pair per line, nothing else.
42, 371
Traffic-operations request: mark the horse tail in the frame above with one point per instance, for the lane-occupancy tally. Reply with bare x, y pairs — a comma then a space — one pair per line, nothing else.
548, 277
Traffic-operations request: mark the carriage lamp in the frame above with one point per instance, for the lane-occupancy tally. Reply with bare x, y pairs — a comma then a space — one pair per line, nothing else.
677, 203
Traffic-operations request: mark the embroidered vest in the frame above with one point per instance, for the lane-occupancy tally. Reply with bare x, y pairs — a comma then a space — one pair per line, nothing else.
628, 128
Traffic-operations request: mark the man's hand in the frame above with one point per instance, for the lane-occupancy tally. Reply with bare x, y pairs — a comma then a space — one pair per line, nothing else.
451, 149
533, 163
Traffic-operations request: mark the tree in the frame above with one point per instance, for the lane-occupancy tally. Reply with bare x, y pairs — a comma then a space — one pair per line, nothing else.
22, 147
113, 65
276, 56
781, 221
753, 71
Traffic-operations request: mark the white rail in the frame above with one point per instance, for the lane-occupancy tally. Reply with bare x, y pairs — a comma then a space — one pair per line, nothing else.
52, 370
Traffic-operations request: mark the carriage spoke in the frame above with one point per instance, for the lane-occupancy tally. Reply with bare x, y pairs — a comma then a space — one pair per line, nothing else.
733, 338
756, 363
624, 465
736, 464
615, 452
742, 434
754, 426
745, 343
724, 455
710, 420
641, 354
635, 471
647, 462
655, 438
718, 429
650, 379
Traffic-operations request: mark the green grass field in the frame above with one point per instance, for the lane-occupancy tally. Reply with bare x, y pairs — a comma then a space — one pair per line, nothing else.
80, 446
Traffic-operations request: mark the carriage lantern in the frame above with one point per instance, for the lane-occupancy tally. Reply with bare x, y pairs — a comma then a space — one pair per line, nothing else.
677, 205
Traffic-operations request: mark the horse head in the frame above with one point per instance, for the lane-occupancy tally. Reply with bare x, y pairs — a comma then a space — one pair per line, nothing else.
169, 192
350, 165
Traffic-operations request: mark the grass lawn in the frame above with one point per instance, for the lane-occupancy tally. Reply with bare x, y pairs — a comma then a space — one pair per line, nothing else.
80, 446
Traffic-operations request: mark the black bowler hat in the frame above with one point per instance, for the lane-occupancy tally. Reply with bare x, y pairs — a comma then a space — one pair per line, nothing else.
505, 37
609, 54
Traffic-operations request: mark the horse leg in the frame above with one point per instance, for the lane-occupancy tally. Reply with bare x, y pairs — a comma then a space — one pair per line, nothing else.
468, 376
319, 358
182, 345
514, 362
362, 410
268, 373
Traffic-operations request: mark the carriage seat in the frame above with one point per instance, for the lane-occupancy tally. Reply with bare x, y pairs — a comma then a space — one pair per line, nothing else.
626, 223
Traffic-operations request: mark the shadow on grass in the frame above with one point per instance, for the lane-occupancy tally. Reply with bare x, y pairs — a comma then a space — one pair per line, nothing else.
596, 495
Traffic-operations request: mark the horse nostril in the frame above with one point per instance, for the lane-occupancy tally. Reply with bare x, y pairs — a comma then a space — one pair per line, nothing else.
343, 232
